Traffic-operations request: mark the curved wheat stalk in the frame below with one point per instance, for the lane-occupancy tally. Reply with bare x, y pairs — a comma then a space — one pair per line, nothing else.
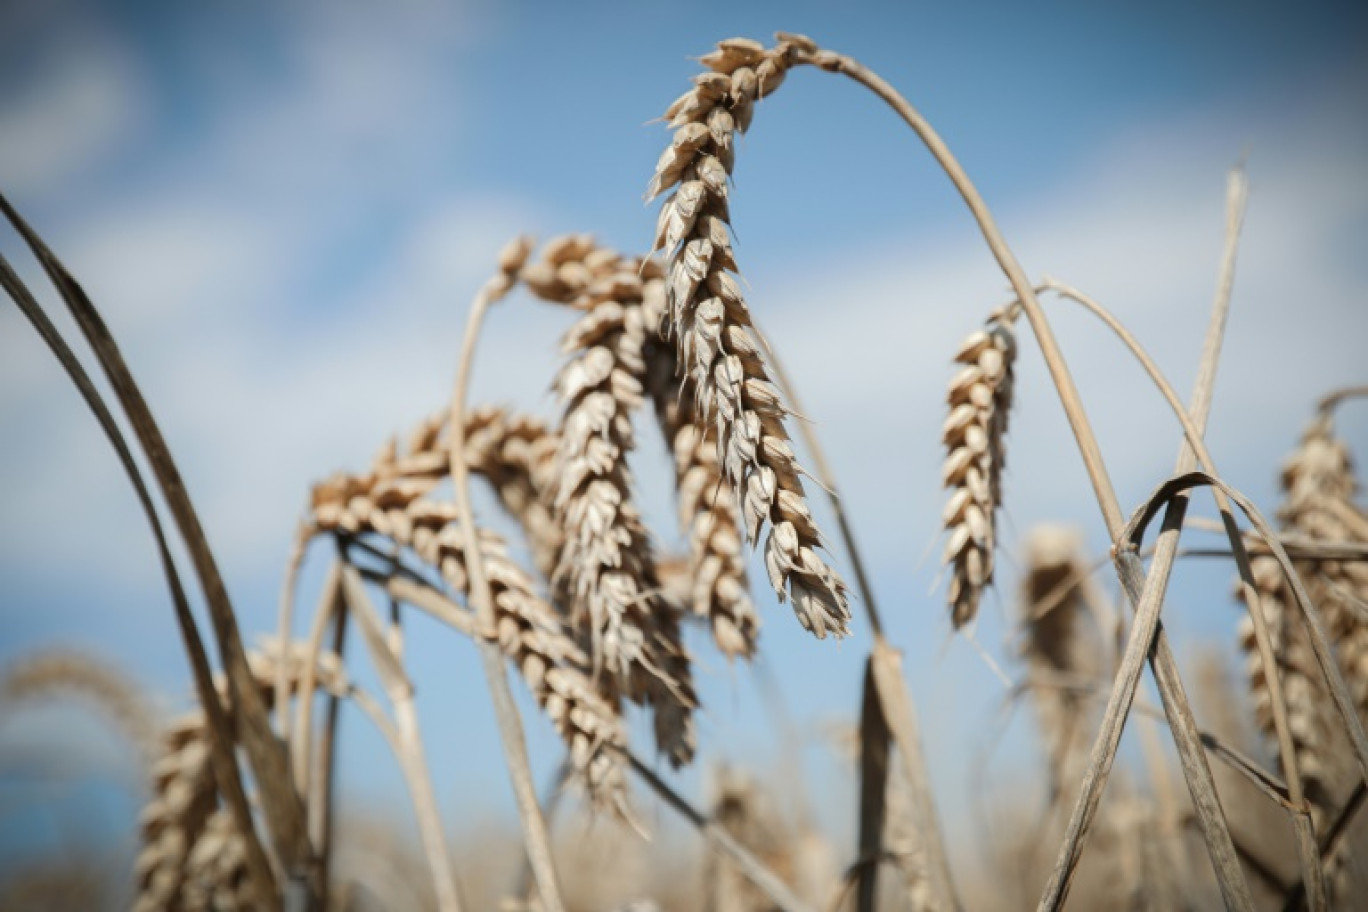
980, 399
710, 323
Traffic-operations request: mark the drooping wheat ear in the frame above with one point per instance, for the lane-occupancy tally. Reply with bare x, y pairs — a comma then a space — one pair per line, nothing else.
1320, 504
980, 399
193, 856
1318, 743
606, 561
747, 813
183, 797
711, 325
716, 586
62, 673
529, 631
1060, 646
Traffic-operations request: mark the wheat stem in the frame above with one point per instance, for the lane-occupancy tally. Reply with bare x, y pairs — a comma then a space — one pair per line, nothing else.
221, 737
506, 711
1147, 628
409, 746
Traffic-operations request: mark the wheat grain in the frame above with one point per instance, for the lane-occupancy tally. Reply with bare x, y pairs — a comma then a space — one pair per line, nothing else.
711, 326
980, 399
529, 631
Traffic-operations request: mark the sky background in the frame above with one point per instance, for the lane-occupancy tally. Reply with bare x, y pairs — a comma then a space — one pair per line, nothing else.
283, 211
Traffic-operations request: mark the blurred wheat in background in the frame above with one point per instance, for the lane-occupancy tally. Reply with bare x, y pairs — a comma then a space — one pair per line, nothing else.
603, 542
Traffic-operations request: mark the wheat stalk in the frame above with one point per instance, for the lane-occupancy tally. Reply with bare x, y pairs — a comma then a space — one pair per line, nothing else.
980, 399
711, 325
529, 632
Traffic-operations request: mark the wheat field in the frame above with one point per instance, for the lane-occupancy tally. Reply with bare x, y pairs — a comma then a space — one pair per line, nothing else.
528, 537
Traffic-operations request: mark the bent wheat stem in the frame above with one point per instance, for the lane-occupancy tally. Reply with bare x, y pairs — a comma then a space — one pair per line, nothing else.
510, 726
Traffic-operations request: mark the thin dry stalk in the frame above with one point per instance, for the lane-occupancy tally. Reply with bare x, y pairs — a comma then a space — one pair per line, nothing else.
223, 738
980, 399
1148, 629
1262, 636
283, 807
510, 725
711, 325
409, 748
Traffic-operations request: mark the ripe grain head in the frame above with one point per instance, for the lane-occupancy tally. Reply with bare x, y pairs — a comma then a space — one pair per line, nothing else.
709, 321
980, 400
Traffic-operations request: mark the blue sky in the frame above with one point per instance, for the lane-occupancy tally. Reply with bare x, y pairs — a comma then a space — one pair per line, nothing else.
283, 210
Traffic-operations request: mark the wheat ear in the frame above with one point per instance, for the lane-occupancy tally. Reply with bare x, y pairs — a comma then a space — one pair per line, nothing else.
716, 587
1058, 647
980, 400
529, 631
1320, 504
711, 326
175, 868
606, 563
62, 673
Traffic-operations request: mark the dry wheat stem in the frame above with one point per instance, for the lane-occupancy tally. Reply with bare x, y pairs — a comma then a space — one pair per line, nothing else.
409, 745
1260, 627
1315, 625
535, 834
284, 807
710, 323
1267, 783
1147, 633
1214, 829
222, 740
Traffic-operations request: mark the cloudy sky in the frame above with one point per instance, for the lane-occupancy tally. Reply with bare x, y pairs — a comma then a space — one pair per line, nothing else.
283, 210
